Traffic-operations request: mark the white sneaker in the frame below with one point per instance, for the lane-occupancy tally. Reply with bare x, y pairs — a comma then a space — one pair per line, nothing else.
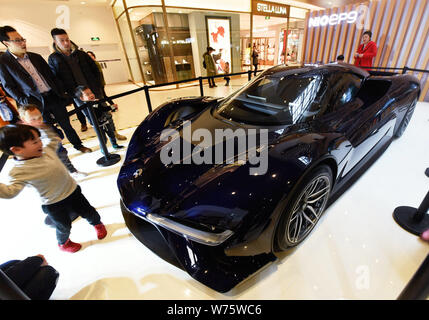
78, 175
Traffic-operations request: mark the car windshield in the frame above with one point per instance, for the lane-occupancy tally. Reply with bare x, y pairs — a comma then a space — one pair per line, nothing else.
271, 100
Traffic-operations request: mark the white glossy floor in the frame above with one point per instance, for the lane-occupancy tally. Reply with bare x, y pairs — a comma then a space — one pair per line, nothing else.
357, 251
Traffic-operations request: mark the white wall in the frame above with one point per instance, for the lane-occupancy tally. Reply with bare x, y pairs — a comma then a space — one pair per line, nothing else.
34, 21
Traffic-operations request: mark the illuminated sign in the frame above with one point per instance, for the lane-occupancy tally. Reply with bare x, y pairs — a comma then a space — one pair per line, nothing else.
333, 19
272, 9
95, 38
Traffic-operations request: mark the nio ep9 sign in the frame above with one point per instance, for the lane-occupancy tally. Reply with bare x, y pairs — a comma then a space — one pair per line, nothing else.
360, 16
333, 19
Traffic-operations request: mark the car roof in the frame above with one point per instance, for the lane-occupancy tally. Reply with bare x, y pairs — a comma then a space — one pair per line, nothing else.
283, 70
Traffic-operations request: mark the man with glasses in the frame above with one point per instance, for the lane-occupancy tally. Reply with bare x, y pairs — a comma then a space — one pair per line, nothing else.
27, 78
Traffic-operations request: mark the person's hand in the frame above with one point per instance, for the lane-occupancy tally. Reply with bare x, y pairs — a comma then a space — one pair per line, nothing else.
44, 263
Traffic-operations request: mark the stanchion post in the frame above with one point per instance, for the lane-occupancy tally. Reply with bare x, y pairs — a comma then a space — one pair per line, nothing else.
108, 159
249, 75
149, 103
404, 70
415, 221
200, 80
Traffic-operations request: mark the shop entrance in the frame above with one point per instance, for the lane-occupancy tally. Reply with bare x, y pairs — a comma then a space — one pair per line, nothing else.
267, 32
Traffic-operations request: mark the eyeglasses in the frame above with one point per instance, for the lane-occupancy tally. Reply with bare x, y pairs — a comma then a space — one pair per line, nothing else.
18, 40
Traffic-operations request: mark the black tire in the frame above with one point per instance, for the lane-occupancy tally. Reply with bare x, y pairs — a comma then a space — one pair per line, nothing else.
300, 214
406, 120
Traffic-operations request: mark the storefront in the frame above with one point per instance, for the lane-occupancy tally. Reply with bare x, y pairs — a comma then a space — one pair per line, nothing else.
164, 40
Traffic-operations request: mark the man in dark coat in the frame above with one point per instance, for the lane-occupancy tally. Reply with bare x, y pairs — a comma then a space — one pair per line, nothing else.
27, 78
75, 68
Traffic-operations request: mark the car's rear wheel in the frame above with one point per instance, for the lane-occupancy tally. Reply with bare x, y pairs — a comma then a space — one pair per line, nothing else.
304, 208
406, 120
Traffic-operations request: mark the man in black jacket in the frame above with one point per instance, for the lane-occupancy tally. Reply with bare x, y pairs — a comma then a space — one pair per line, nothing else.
74, 68
27, 78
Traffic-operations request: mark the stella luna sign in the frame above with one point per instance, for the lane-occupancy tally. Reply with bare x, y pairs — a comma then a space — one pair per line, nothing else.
270, 9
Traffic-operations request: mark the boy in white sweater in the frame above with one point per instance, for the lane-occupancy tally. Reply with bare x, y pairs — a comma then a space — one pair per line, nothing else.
41, 168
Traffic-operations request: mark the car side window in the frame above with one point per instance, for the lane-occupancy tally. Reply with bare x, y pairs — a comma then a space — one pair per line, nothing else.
343, 87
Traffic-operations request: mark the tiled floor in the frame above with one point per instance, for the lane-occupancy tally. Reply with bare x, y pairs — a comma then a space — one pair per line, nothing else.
357, 251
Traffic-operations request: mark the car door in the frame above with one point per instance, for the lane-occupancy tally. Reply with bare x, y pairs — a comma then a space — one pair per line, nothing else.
369, 125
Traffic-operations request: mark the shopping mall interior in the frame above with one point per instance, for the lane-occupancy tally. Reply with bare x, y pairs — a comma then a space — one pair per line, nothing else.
357, 251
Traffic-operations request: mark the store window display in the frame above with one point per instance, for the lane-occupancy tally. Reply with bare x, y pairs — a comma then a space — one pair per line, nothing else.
161, 51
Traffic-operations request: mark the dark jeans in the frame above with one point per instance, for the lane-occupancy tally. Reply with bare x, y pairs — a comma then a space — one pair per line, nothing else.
54, 106
107, 126
256, 69
62, 152
60, 213
211, 82
80, 116
64, 157
35, 281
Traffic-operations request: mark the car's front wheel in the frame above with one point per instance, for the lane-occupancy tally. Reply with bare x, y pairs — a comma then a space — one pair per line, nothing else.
304, 208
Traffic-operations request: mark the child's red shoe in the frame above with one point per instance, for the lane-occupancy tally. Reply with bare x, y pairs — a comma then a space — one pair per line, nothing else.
101, 231
70, 246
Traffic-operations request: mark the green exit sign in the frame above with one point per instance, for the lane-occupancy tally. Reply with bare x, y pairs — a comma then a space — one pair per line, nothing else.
267, 18
95, 38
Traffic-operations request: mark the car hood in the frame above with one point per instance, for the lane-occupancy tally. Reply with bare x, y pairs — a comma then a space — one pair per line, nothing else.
217, 195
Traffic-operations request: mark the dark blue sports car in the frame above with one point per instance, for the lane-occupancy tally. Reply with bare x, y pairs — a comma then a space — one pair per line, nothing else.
217, 186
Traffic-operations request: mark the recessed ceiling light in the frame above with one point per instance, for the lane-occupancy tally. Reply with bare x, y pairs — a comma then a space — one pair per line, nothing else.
83, 2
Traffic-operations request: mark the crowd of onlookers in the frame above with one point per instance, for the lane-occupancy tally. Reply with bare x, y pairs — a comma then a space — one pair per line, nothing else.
34, 96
